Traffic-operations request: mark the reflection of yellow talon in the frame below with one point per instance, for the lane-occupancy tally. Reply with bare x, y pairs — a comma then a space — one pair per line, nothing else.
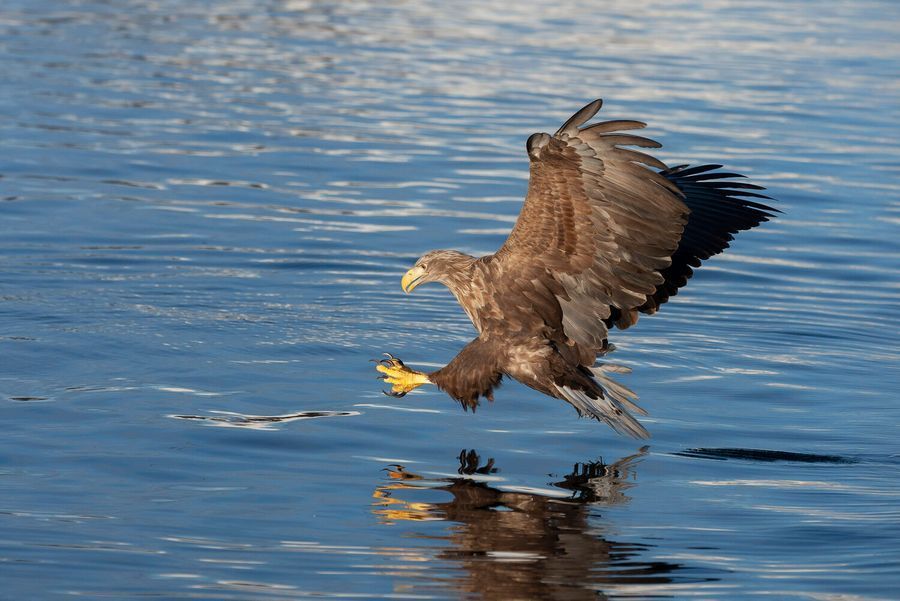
401, 378
398, 472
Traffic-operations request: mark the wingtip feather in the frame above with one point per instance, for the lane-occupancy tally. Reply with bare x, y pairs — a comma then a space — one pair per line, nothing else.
581, 117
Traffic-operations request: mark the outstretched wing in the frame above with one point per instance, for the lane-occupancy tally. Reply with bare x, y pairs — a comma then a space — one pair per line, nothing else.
609, 236
597, 221
719, 209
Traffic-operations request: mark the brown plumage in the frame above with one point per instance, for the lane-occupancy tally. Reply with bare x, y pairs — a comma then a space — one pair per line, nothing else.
605, 233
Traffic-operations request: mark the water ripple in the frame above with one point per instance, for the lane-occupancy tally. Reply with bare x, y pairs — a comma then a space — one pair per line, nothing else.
206, 210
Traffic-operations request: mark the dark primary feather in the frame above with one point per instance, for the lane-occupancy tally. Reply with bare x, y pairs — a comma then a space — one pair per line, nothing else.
719, 209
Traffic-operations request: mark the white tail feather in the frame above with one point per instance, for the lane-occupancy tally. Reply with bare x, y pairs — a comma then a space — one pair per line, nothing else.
617, 391
614, 403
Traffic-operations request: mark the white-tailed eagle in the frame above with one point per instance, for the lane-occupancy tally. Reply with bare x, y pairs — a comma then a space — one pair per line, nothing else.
605, 234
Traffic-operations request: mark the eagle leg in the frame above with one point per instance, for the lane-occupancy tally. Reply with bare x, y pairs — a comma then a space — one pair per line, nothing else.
401, 378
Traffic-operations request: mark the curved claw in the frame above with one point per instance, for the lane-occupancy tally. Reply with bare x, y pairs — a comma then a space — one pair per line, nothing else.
401, 378
391, 360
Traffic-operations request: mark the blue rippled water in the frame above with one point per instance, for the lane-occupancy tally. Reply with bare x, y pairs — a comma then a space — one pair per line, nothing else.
205, 210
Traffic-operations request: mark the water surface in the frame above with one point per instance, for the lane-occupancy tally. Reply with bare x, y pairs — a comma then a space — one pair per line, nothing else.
206, 208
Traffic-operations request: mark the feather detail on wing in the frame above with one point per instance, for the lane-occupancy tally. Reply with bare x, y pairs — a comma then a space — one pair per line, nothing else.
597, 221
608, 235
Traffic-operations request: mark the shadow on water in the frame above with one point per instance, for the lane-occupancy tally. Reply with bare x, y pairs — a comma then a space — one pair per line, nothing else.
526, 543
763, 455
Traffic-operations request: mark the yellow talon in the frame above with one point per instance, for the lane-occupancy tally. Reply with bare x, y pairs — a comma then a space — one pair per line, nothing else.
401, 378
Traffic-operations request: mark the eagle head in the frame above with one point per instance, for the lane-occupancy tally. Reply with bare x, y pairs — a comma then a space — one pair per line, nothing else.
448, 267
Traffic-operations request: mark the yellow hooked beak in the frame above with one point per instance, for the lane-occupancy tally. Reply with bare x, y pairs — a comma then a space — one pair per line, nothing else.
411, 279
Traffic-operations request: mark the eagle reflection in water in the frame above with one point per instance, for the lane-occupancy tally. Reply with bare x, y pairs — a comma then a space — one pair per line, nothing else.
525, 543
